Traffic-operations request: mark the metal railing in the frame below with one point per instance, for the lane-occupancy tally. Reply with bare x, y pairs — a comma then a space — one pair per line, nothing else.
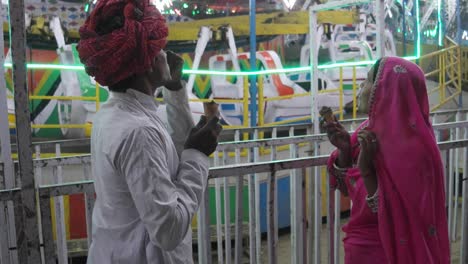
447, 73
306, 193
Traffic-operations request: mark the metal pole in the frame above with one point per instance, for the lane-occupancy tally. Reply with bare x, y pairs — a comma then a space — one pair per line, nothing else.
254, 222
297, 231
380, 6
314, 117
239, 208
459, 40
7, 221
464, 238
27, 230
253, 64
219, 227
403, 30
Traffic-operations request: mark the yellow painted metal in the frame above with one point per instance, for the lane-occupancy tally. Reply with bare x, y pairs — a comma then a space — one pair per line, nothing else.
246, 103
66, 205
261, 102
289, 121
62, 98
284, 97
11, 119
98, 99
341, 94
459, 71
217, 100
354, 94
277, 23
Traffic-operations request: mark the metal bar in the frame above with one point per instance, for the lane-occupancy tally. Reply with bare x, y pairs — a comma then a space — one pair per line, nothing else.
9, 195
331, 223
89, 206
62, 161
206, 228
61, 232
464, 223
306, 125
7, 221
380, 17
271, 142
202, 243
256, 181
337, 4
38, 176
296, 208
318, 212
336, 249
457, 183
260, 167
459, 75
354, 94
310, 211
46, 220
227, 214
272, 211
62, 98
239, 209
271, 220
341, 107
66, 189
27, 231
4, 245
89, 200
254, 202
98, 96
432, 73
253, 63
451, 183
219, 227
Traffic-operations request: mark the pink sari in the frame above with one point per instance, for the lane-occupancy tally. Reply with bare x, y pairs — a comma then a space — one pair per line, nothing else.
411, 220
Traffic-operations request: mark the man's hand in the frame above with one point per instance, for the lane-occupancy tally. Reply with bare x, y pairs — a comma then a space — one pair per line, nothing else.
204, 136
176, 63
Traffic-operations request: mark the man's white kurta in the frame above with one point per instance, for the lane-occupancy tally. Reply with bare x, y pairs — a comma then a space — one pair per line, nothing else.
148, 188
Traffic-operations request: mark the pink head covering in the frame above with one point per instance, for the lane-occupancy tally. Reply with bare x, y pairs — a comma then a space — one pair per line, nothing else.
412, 216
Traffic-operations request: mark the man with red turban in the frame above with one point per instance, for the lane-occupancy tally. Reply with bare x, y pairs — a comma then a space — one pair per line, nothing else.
149, 177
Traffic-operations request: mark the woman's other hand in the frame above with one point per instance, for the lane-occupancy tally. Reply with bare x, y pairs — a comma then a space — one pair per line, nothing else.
338, 136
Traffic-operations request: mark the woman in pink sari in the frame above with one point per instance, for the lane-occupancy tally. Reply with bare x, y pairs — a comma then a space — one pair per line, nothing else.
392, 171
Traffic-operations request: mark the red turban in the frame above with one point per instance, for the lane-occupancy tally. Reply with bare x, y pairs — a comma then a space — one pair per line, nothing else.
121, 38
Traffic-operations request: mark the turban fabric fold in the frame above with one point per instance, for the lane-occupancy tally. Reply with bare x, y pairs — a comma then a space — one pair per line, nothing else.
120, 39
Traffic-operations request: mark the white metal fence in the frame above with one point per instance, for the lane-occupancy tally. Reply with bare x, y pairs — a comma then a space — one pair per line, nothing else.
284, 152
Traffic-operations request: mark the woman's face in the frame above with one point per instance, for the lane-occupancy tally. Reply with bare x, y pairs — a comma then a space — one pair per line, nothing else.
365, 92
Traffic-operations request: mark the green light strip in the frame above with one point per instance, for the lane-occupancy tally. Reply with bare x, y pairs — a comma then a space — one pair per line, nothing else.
43, 66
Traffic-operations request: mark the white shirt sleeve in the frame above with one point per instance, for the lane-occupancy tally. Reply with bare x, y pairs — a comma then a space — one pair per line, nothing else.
179, 116
165, 206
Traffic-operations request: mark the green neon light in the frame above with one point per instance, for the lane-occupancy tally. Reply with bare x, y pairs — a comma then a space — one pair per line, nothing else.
86, 8
43, 66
